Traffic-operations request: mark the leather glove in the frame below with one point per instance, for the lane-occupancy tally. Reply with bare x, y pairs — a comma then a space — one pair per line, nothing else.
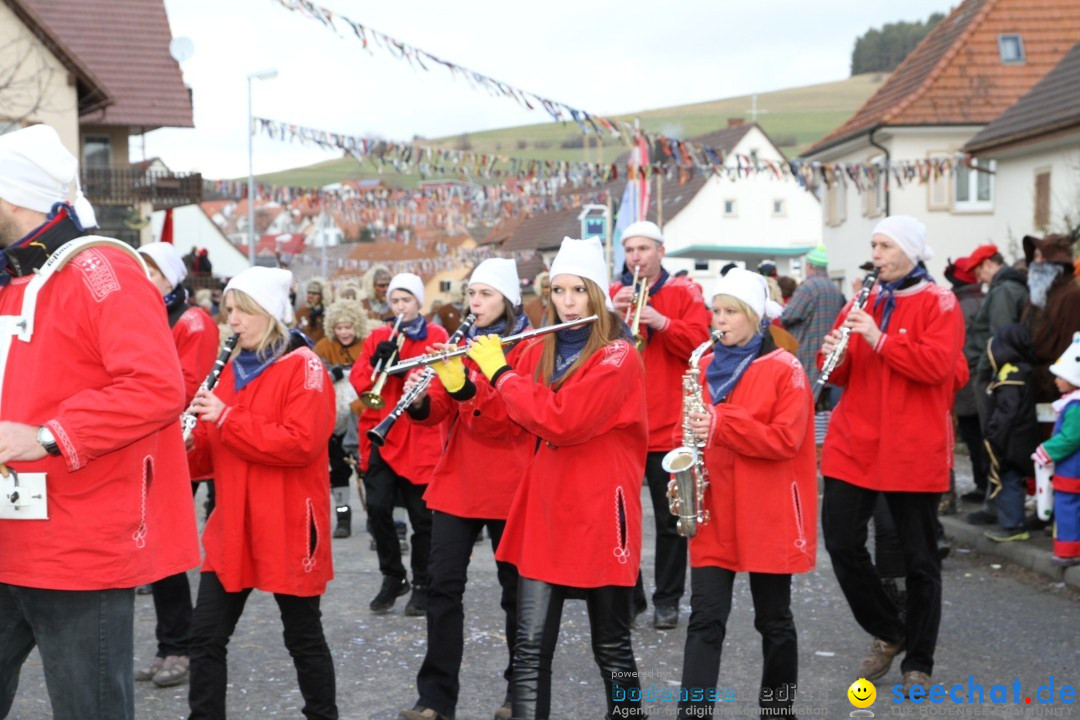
451, 373
337, 372
487, 352
383, 351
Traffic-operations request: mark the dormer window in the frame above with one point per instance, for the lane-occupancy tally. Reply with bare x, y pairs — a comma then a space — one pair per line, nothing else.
1011, 48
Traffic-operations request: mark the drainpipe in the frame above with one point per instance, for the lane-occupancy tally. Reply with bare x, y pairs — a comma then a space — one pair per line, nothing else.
885, 150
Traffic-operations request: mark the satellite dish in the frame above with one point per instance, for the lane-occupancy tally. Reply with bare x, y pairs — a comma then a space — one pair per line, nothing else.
181, 49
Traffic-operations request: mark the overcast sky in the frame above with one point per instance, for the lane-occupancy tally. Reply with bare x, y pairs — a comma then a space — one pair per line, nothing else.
603, 57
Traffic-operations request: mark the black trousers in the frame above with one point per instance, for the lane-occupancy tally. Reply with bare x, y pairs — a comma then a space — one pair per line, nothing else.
888, 551
670, 570
216, 615
381, 484
845, 513
172, 605
340, 471
539, 616
971, 434
452, 542
710, 603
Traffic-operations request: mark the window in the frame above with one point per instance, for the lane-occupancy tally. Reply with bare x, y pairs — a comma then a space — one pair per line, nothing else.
444, 286
874, 193
974, 186
836, 202
778, 208
97, 151
729, 208
1042, 199
1011, 48
702, 265
938, 197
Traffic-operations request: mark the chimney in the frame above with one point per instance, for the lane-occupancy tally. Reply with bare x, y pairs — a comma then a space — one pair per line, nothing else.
735, 122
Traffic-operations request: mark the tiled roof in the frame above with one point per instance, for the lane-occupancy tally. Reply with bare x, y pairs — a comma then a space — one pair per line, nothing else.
955, 76
1052, 105
126, 44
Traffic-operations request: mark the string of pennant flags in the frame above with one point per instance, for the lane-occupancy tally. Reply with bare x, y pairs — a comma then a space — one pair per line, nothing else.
536, 178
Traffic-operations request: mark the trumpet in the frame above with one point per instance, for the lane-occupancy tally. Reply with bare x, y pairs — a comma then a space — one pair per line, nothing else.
372, 398
431, 358
637, 303
377, 435
833, 360
189, 419
690, 477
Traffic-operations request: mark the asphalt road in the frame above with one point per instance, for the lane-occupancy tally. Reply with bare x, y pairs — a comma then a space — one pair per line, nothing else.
1000, 624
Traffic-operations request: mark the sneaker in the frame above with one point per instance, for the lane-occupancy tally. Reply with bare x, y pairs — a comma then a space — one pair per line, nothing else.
504, 711
1007, 535
666, 617
421, 713
1059, 561
878, 662
915, 677
392, 589
147, 673
981, 517
417, 605
173, 672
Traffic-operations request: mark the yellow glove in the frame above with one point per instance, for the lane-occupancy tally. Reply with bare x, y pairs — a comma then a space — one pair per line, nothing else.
451, 372
487, 352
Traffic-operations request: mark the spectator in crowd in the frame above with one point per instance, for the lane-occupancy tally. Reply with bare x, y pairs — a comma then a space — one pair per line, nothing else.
373, 286
812, 310
537, 309
310, 316
787, 287
1053, 315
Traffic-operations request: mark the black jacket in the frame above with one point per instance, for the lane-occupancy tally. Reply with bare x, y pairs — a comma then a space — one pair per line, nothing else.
1012, 431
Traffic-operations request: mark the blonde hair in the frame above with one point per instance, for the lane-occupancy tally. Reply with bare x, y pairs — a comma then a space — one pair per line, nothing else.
734, 303
607, 329
275, 339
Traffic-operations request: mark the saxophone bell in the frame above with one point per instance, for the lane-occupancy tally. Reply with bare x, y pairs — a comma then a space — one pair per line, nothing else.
681, 463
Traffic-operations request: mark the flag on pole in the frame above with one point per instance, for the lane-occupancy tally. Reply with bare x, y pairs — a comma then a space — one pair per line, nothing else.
167, 228
634, 205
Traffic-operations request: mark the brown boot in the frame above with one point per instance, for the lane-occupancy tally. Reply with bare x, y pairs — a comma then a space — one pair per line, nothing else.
916, 677
878, 662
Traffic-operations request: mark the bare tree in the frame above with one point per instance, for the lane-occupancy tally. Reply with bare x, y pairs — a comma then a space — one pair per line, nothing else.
25, 77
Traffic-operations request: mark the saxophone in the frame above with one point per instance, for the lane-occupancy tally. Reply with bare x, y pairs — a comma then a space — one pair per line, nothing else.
690, 477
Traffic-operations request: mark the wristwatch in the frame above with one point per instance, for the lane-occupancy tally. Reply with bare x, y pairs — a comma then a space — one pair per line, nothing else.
46, 440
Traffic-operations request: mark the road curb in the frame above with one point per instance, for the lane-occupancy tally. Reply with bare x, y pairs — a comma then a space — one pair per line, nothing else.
1024, 554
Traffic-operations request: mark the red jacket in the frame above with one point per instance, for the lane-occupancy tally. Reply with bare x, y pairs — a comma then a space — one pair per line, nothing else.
893, 428
667, 356
197, 339
576, 518
270, 528
101, 372
485, 456
762, 463
411, 450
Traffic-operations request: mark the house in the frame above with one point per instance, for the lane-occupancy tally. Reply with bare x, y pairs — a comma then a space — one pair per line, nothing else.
1036, 146
193, 227
707, 220
965, 73
100, 71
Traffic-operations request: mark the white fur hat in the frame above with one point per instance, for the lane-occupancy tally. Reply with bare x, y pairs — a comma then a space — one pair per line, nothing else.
269, 287
1067, 367
37, 171
408, 282
752, 289
583, 258
168, 261
909, 233
645, 229
501, 274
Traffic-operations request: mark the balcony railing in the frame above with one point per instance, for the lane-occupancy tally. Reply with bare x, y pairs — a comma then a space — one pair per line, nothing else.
131, 186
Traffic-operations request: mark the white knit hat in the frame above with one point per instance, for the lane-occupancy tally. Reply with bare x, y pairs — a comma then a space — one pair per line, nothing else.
752, 289
909, 234
168, 261
269, 287
1067, 367
501, 274
409, 282
37, 171
645, 229
583, 258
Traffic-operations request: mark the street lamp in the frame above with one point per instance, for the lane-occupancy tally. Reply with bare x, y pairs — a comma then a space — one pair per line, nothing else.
261, 75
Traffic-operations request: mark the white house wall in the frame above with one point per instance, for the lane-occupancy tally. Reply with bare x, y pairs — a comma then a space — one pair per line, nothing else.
192, 228
1015, 211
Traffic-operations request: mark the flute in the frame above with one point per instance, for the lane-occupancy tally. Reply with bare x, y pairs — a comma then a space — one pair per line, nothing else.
189, 419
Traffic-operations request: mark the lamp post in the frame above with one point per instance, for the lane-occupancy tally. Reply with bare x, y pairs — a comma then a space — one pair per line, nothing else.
261, 75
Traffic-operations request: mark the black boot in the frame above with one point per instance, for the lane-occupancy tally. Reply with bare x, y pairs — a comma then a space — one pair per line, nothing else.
344, 522
392, 589
417, 605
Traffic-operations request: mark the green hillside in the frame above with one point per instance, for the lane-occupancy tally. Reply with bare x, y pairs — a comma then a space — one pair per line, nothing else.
794, 118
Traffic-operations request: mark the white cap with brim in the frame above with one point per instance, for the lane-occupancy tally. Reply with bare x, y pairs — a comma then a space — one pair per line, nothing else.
408, 282
37, 171
501, 274
168, 261
752, 289
583, 258
269, 288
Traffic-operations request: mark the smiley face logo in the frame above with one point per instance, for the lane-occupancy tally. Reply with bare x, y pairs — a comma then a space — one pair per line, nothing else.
862, 693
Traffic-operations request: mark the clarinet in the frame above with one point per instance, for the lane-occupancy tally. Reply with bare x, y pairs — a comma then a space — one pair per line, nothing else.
377, 435
189, 419
833, 358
